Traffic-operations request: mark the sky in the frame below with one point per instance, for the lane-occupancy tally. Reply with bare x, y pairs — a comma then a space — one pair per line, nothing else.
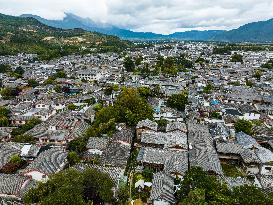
158, 16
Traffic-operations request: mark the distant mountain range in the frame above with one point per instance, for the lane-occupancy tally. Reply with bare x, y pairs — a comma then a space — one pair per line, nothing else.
253, 32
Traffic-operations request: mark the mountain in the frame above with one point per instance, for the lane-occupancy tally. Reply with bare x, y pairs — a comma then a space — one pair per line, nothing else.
27, 34
261, 31
196, 35
253, 32
71, 21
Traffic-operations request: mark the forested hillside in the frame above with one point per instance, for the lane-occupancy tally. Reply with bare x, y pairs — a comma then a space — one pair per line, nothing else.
28, 35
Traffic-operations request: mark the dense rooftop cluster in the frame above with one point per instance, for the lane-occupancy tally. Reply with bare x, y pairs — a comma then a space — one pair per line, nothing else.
79, 112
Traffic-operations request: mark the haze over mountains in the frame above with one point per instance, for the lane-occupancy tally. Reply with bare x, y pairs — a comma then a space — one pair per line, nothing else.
253, 32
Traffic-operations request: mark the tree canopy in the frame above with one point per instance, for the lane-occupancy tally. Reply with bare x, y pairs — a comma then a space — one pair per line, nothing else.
243, 126
237, 58
129, 108
71, 187
178, 101
129, 64
199, 188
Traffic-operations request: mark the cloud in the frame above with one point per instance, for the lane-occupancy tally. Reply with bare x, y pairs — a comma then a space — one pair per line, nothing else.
159, 16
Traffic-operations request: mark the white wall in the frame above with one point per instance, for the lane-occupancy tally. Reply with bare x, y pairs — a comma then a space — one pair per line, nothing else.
38, 176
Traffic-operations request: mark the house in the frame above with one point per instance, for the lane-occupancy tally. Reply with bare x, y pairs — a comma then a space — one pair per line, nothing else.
145, 125
202, 151
155, 157
5, 134
162, 192
14, 186
48, 162
7, 150
177, 164
96, 145
89, 74
116, 154
174, 139
176, 126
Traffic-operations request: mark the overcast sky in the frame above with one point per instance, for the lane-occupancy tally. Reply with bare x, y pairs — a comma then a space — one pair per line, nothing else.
159, 16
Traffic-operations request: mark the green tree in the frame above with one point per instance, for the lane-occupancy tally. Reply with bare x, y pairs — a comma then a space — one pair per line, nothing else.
72, 107
145, 92
129, 64
18, 72
90, 101
4, 117
4, 111
10, 93
258, 74
243, 126
208, 89
71, 187
138, 60
237, 58
268, 65
195, 197
50, 80
109, 90
24, 128
215, 192
249, 195
58, 89
97, 186
4, 121
249, 83
78, 145
24, 139
132, 108
60, 74
4, 68
216, 115
32, 83
73, 158
16, 159
178, 101
145, 71
62, 188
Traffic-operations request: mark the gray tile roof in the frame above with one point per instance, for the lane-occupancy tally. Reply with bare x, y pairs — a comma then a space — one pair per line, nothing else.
147, 124
169, 139
162, 188
48, 162
155, 155
203, 153
14, 185
177, 163
99, 143
245, 140
172, 126
229, 148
